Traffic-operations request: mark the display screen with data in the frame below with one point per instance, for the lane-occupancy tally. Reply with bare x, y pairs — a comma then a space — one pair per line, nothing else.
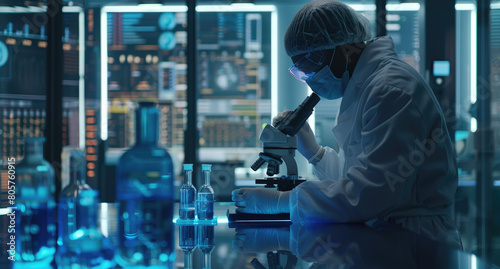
234, 77
147, 60
23, 52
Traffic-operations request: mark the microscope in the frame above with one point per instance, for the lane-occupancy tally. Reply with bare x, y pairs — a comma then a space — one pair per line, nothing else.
279, 145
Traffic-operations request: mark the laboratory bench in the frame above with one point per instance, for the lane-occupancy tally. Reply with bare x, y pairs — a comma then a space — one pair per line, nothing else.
286, 245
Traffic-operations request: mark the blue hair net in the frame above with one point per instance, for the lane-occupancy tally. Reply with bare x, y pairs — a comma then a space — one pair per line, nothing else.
325, 24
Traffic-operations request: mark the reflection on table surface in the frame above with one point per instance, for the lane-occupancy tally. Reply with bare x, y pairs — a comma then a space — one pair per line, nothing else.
374, 245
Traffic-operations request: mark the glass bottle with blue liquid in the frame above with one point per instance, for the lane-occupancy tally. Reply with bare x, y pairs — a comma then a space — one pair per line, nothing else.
35, 230
206, 243
187, 210
205, 199
86, 247
144, 191
73, 170
187, 243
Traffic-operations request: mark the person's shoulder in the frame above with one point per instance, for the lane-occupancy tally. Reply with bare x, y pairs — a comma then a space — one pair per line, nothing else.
394, 74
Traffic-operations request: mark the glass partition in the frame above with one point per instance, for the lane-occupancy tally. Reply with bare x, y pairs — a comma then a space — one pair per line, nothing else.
143, 58
23, 65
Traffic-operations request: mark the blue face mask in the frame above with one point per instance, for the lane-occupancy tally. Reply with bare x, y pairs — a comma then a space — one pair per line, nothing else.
326, 85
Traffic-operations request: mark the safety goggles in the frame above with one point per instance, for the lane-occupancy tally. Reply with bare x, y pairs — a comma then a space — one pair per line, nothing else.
308, 65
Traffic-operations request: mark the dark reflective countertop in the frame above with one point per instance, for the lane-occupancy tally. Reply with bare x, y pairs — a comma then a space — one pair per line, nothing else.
374, 245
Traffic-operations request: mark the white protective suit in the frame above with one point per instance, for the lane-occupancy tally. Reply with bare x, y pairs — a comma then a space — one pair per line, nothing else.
399, 162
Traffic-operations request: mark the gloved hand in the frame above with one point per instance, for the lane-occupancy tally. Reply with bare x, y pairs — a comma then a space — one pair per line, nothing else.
307, 145
261, 239
261, 201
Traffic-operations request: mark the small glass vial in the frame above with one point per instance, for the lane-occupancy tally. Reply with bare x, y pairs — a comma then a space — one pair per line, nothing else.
187, 210
206, 243
187, 243
206, 196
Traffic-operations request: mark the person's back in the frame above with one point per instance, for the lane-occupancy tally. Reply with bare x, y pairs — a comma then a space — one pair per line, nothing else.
396, 108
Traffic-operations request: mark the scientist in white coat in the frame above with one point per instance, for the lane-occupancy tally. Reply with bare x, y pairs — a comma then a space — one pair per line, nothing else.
395, 160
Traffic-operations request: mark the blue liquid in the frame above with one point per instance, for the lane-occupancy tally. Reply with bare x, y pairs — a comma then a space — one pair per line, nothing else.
206, 239
187, 238
71, 219
66, 219
145, 233
94, 259
35, 233
187, 213
205, 206
83, 246
89, 249
187, 202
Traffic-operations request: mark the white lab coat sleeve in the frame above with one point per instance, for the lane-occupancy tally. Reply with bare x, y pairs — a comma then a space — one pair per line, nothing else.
378, 180
330, 166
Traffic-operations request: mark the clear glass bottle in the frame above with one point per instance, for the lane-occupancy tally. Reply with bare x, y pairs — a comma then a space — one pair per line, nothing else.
206, 243
187, 243
86, 247
206, 195
144, 191
35, 230
187, 210
73, 171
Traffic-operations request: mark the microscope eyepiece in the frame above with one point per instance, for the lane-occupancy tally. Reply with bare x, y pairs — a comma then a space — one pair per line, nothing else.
292, 123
